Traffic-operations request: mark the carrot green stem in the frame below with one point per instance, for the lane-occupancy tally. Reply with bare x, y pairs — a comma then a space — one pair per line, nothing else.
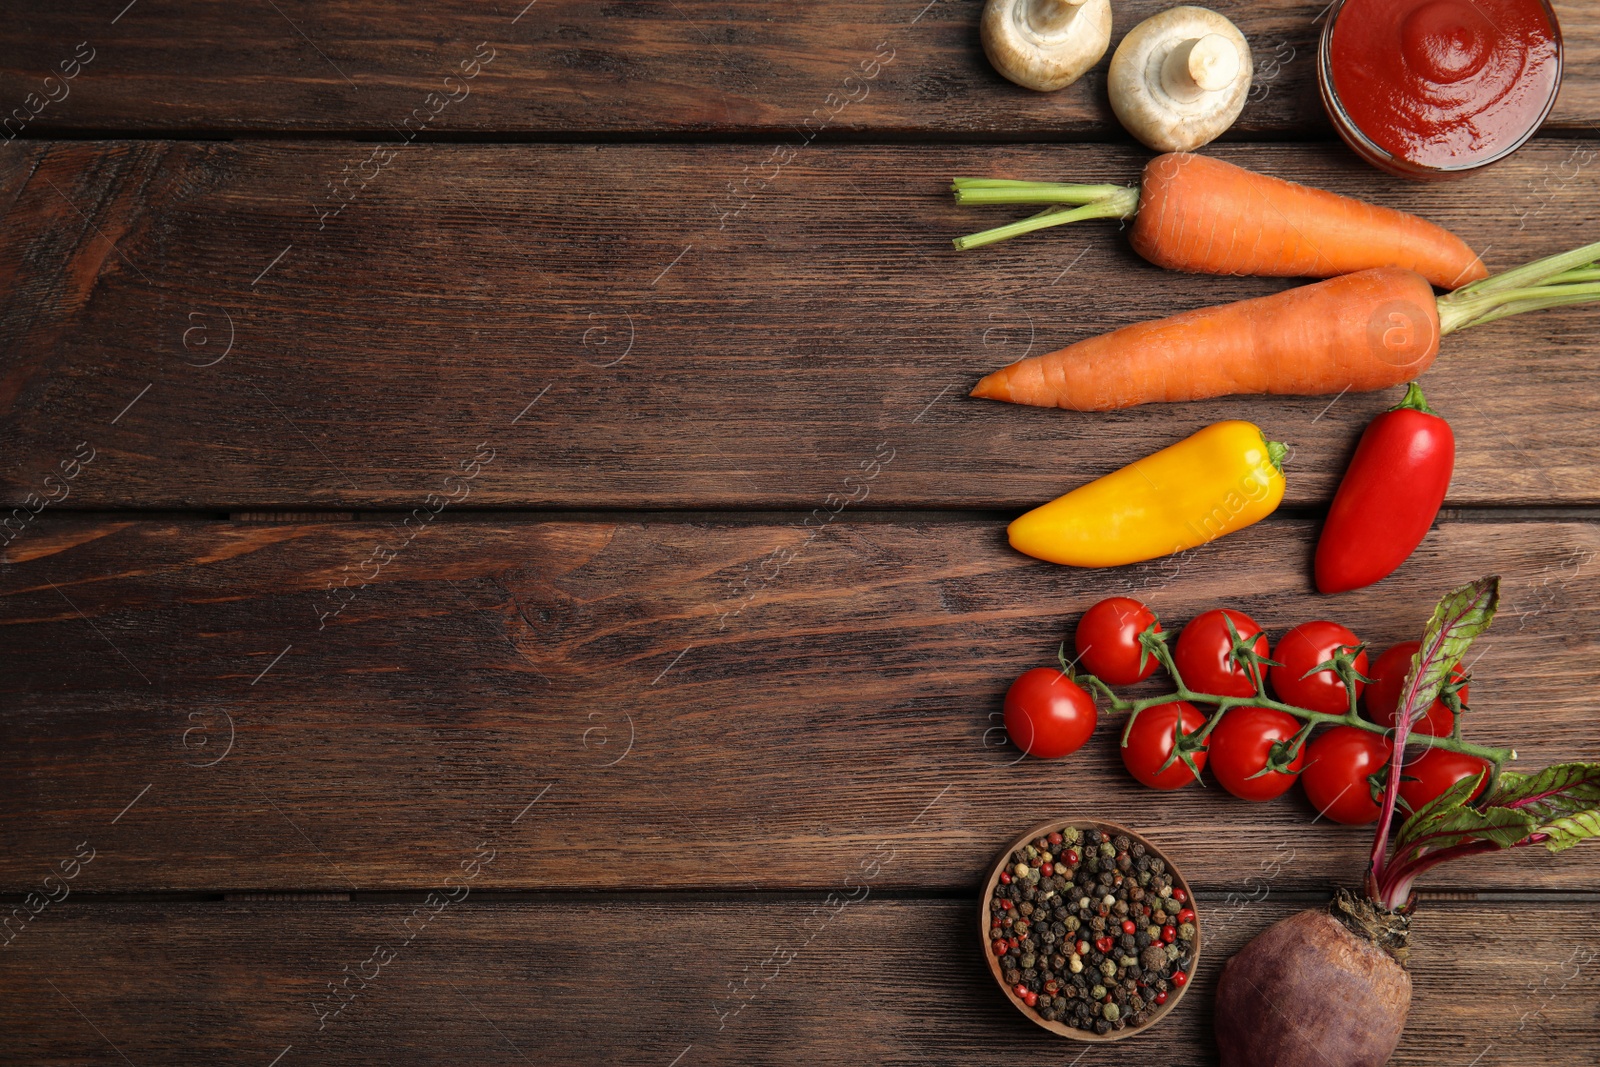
1569, 278
1116, 206
1008, 191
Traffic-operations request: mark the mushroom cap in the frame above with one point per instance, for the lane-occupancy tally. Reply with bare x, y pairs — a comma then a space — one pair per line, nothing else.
1045, 44
1174, 110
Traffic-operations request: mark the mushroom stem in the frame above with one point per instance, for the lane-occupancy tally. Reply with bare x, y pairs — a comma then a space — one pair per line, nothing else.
1051, 16
1200, 65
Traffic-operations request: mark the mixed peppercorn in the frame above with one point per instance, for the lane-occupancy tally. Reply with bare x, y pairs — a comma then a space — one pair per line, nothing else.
1090, 930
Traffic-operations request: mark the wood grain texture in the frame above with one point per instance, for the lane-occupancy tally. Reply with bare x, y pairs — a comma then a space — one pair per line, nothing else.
199, 315
667, 705
631, 68
890, 982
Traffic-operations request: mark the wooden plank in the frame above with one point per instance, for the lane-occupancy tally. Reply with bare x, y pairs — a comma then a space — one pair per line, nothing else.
893, 982
757, 699
578, 310
567, 68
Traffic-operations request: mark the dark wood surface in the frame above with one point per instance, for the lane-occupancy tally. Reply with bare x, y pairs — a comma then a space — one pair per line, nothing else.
647, 679
879, 981
578, 308
546, 500
629, 68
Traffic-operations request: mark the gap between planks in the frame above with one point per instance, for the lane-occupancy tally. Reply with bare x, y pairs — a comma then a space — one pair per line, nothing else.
740, 516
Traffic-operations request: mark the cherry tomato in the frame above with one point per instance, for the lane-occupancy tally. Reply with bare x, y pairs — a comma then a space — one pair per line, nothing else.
1150, 743
1337, 766
1301, 649
1239, 747
1108, 640
1435, 771
1389, 679
1048, 714
1202, 653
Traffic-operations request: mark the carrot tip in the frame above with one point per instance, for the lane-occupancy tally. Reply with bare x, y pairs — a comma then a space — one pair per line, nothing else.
992, 387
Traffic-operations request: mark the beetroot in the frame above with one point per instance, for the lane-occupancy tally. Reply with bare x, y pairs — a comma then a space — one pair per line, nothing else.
1329, 988
1311, 991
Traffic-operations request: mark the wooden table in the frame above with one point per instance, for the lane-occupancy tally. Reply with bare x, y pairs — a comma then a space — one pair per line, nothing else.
513, 551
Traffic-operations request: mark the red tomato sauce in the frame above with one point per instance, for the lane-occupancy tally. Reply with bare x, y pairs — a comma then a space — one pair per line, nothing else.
1445, 83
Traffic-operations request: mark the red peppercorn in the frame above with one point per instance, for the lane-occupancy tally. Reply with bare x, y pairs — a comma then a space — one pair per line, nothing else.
1161, 997
1186, 915
1020, 989
1169, 933
1083, 948
1047, 869
1180, 979
1104, 943
1072, 857
1001, 947
1032, 998
1055, 839
1129, 926
1179, 895
1006, 905
1005, 877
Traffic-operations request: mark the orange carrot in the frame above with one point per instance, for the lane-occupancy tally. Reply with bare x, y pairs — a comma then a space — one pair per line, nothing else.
1203, 215
1195, 213
1361, 331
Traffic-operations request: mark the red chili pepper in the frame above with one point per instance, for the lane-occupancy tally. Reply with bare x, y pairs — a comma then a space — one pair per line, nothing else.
1388, 497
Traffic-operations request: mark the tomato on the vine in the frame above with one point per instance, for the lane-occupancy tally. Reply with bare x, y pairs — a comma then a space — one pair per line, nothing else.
1435, 771
1202, 654
1389, 679
1048, 714
1337, 767
1150, 742
1301, 650
1239, 748
1107, 640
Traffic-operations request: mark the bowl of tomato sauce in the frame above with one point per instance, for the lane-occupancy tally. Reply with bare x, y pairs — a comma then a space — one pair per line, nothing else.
1433, 89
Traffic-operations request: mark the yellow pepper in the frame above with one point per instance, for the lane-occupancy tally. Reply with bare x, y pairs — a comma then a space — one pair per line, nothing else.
1219, 480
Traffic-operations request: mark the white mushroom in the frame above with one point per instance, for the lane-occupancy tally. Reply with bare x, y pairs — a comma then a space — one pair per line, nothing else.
1045, 44
1180, 78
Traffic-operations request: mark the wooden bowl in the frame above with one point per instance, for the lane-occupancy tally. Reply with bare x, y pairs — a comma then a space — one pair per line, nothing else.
1060, 1028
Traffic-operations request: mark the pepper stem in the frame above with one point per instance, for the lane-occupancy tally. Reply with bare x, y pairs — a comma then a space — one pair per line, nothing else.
1414, 400
1277, 452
